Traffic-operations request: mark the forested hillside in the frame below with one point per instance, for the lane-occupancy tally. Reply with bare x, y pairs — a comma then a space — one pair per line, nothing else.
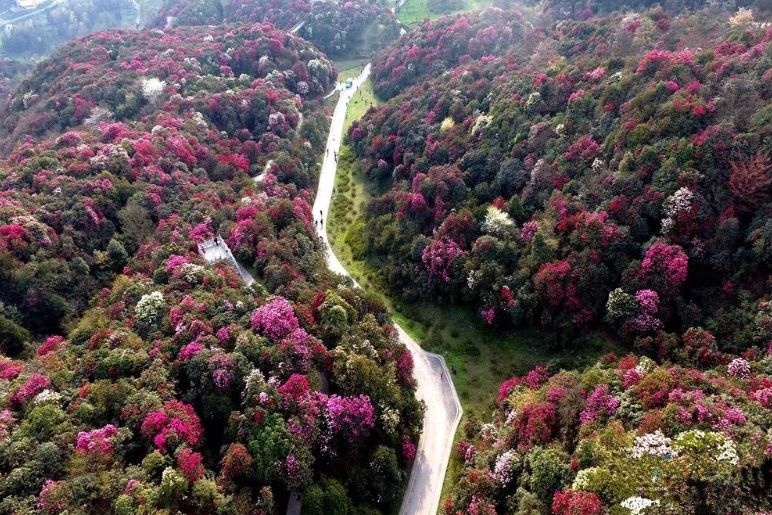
605, 173
160, 78
540, 184
31, 33
348, 28
136, 379
11, 74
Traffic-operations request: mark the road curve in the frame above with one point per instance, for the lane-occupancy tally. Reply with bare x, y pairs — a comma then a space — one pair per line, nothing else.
435, 387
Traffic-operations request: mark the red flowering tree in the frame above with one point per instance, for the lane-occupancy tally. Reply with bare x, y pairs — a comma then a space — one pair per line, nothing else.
176, 424
569, 502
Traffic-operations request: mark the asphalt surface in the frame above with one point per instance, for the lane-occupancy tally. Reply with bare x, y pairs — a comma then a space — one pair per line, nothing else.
435, 386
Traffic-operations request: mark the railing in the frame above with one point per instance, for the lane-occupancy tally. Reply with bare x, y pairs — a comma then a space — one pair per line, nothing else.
224, 254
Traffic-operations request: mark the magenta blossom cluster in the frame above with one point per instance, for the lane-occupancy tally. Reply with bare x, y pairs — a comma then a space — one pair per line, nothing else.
296, 472
353, 417
50, 500
480, 507
221, 366
34, 385
276, 319
175, 261
177, 422
408, 449
738, 368
52, 343
438, 257
648, 300
529, 230
644, 323
96, 441
667, 261
10, 369
600, 402
190, 350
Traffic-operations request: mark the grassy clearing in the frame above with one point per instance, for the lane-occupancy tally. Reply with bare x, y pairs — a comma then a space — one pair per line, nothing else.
483, 357
360, 103
348, 68
416, 11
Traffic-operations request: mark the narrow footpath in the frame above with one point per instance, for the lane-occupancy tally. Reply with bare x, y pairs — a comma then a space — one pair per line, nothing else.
435, 386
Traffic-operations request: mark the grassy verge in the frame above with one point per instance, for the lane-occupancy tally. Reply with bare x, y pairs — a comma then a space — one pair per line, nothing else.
482, 357
416, 11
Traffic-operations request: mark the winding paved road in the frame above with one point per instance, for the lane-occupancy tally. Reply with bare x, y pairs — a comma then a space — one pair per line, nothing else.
435, 388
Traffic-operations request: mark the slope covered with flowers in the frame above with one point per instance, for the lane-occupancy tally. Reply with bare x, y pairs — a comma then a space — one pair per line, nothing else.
74, 208
612, 172
120, 75
435, 47
335, 28
164, 385
625, 436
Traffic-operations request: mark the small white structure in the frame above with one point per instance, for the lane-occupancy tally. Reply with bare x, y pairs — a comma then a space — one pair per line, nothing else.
28, 4
216, 250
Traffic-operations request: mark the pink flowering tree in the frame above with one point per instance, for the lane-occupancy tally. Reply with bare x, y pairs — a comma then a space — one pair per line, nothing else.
96, 441
352, 418
53, 497
408, 449
35, 384
599, 403
439, 257
190, 464
275, 319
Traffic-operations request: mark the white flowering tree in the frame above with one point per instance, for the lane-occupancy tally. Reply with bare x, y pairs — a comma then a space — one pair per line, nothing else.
152, 89
705, 455
150, 308
638, 505
678, 203
497, 222
643, 474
